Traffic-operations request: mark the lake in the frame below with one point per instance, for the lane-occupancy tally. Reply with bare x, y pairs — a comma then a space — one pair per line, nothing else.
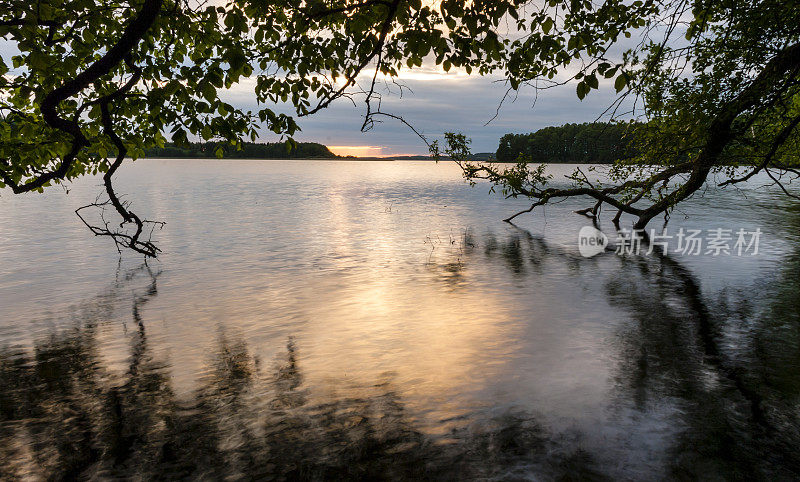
345, 319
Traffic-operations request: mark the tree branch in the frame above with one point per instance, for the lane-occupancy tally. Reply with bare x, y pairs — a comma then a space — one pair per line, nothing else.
129, 39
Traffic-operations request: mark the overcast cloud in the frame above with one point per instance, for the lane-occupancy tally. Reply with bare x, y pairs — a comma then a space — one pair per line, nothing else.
442, 103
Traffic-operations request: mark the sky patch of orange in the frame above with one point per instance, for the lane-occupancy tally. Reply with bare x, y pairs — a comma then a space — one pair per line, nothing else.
358, 151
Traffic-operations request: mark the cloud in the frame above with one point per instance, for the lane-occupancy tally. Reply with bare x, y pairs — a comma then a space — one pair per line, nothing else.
440, 103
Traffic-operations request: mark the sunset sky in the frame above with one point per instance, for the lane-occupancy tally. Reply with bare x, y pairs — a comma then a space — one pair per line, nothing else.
435, 102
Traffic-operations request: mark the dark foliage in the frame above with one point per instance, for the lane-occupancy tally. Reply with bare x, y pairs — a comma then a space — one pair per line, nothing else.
249, 150
595, 142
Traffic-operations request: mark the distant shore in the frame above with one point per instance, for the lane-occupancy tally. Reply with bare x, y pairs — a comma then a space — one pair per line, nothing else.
338, 158
306, 151
477, 157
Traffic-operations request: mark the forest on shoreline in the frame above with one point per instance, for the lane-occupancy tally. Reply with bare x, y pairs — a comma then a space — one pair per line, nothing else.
589, 142
595, 142
249, 150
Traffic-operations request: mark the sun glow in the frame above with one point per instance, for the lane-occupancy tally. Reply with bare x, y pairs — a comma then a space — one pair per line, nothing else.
358, 151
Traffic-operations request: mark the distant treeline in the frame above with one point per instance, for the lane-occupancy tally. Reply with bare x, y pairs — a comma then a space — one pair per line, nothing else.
250, 150
594, 142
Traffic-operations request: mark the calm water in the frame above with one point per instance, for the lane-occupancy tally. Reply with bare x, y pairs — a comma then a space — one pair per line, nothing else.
378, 320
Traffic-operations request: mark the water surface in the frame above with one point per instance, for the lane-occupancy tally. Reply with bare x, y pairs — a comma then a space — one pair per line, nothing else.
322, 319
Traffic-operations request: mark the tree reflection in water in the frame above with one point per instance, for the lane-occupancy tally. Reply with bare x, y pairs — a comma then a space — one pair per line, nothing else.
64, 416
732, 371
733, 367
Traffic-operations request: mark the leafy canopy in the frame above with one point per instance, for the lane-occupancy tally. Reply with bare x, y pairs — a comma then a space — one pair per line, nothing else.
95, 81
715, 86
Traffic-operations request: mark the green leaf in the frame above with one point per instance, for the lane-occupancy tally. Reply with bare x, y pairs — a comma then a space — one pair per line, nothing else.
38, 60
547, 25
179, 137
620, 82
582, 90
208, 91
